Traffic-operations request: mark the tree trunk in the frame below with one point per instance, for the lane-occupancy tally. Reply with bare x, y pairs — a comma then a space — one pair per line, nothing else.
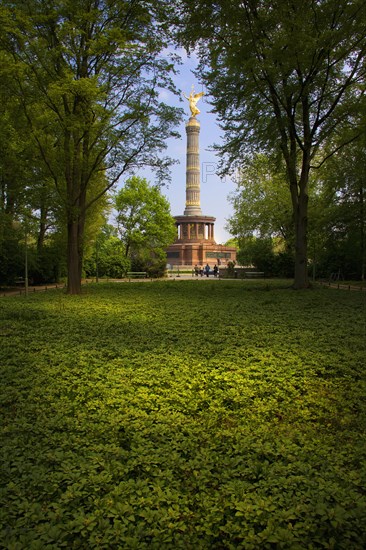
362, 231
41, 231
301, 279
74, 257
300, 200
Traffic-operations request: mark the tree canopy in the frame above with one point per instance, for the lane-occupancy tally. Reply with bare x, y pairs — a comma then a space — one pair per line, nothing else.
87, 74
261, 203
284, 74
81, 110
145, 224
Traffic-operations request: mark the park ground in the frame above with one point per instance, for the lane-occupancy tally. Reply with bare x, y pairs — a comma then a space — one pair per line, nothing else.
20, 290
196, 416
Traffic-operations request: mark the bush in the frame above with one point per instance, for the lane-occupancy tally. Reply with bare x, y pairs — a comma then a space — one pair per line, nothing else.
155, 266
260, 253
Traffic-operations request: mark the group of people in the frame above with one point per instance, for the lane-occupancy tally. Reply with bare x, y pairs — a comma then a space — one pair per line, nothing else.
205, 270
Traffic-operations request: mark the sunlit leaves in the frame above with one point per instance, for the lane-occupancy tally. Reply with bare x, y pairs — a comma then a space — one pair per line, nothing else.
143, 216
183, 415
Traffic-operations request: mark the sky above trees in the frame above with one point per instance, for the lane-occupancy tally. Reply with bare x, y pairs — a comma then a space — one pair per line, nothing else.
214, 190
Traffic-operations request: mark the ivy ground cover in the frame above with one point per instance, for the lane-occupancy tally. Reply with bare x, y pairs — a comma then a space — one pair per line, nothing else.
183, 415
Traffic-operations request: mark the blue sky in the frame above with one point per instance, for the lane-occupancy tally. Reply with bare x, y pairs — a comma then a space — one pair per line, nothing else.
214, 191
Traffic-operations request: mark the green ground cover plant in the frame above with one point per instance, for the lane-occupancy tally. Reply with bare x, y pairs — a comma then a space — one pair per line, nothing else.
183, 415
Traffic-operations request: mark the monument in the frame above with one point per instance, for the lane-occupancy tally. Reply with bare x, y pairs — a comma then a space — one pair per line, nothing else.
195, 243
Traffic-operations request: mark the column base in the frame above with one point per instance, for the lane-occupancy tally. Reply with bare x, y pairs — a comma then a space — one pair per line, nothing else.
192, 211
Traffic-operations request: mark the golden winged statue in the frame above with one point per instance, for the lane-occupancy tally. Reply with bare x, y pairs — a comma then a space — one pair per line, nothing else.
193, 98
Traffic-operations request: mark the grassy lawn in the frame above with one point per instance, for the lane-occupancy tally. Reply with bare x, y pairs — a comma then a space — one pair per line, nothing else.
183, 415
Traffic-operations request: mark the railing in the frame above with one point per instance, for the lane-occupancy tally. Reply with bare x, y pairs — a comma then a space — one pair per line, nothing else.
340, 286
22, 290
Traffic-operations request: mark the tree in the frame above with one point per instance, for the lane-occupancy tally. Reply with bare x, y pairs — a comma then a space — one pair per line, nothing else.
343, 190
261, 202
107, 259
266, 254
16, 168
285, 73
145, 224
88, 74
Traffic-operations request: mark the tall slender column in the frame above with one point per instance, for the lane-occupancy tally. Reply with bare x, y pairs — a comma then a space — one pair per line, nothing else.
193, 202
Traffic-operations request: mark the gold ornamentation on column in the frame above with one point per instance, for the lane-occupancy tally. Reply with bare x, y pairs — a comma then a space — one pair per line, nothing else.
193, 99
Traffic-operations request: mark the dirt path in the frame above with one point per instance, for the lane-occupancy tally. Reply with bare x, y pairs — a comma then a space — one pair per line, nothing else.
20, 291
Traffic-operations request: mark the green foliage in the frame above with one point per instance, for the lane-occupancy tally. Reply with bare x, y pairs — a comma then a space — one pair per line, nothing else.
261, 202
257, 252
141, 416
266, 255
88, 77
339, 239
154, 263
232, 242
11, 259
108, 258
285, 77
145, 225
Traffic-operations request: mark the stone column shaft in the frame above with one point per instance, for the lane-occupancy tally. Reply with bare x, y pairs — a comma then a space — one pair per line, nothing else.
193, 201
